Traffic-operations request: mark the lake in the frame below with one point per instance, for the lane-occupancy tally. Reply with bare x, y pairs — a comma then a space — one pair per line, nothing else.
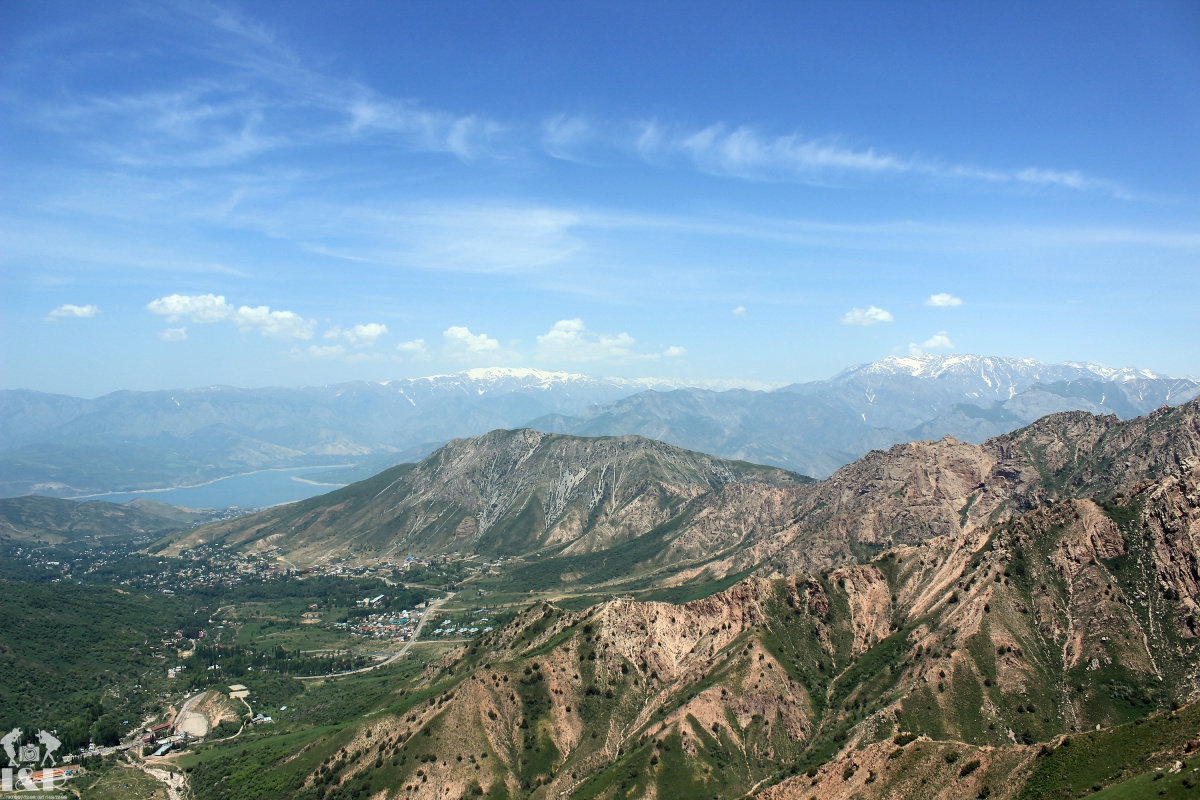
252, 490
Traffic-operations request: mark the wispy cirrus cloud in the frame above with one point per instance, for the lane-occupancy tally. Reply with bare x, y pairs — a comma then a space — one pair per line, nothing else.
256, 95
563, 136
259, 96
745, 152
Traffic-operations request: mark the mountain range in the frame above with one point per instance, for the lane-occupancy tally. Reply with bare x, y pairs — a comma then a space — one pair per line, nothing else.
68, 447
816, 427
1010, 619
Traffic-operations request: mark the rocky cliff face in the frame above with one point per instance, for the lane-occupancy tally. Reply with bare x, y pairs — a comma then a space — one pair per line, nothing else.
1003, 596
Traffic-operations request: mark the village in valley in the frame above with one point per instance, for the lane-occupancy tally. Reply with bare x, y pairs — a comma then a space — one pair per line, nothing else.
247, 626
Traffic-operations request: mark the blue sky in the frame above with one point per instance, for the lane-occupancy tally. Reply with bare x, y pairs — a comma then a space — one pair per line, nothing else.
263, 194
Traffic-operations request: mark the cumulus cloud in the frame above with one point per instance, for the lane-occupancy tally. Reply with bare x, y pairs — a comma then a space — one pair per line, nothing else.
276, 324
194, 308
675, 352
458, 342
360, 335
866, 317
943, 300
939, 341
570, 340
71, 311
740, 311
211, 308
416, 347
173, 334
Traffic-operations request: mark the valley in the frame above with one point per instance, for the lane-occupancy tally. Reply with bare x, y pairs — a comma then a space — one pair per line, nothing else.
616, 617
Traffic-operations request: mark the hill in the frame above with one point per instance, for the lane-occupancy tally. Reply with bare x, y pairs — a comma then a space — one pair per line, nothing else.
53, 520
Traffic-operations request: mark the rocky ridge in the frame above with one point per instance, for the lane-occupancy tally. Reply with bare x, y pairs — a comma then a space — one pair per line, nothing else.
1041, 585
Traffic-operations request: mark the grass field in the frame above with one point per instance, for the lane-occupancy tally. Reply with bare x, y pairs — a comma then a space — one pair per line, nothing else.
1156, 785
1119, 758
119, 783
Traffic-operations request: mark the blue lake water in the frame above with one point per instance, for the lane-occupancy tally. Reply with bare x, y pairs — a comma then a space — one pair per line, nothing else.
253, 490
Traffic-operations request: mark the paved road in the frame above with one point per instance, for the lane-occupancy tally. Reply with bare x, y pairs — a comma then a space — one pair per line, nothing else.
432, 607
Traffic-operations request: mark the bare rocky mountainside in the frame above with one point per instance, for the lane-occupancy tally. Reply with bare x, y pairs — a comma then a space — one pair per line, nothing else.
1016, 619
558, 499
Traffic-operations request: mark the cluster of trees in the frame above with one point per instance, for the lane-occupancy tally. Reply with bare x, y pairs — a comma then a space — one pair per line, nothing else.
233, 661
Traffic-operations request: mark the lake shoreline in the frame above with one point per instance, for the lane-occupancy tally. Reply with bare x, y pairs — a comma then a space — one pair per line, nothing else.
275, 483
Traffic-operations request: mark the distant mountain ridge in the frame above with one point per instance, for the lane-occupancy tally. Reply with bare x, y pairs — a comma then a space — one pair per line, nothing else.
64, 446
816, 427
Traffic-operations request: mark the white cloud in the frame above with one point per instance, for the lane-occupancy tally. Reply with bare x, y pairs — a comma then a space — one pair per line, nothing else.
250, 104
360, 335
939, 341
194, 308
675, 352
569, 340
740, 311
943, 300
173, 335
743, 152
416, 348
563, 135
866, 316
275, 324
460, 343
210, 308
259, 85
71, 311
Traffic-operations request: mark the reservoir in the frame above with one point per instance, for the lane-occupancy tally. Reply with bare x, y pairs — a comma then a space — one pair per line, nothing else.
251, 490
